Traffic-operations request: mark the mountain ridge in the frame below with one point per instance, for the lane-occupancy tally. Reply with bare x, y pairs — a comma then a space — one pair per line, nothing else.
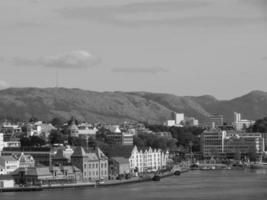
118, 106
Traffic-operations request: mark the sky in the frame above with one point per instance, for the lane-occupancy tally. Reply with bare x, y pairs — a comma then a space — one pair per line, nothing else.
183, 47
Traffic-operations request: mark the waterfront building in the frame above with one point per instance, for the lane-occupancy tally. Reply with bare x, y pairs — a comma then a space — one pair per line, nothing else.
6, 181
241, 124
143, 159
44, 175
218, 143
9, 164
41, 155
1, 142
118, 166
25, 160
92, 162
148, 159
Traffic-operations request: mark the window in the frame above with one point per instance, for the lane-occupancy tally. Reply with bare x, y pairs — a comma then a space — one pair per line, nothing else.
96, 165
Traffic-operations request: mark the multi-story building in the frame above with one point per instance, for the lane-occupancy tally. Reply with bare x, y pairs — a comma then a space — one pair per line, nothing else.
148, 159
212, 142
92, 162
240, 124
9, 164
2, 145
216, 121
25, 161
217, 143
117, 137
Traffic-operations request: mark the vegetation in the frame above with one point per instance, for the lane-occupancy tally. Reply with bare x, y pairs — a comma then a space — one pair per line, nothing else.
32, 141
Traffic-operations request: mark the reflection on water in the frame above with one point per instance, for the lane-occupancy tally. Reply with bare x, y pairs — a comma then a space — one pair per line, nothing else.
208, 185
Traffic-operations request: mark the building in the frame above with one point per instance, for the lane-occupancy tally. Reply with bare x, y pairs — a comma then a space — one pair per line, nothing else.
118, 166
41, 155
10, 129
116, 137
43, 175
6, 181
216, 121
217, 143
25, 161
264, 135
9, 164
92, 162
179, 119
146, 160
63, 156
2, 145
241, 124
191, 121
170, 123
141, 160
40, 129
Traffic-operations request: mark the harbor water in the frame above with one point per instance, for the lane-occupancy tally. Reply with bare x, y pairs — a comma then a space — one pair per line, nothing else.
200, 185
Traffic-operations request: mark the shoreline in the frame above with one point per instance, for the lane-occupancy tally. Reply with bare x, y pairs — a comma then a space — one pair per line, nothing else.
84, 185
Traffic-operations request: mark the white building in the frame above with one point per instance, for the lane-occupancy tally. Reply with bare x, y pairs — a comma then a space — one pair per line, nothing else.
239, 123
6, 181
179, 119
2, 145
148, 159
9, 163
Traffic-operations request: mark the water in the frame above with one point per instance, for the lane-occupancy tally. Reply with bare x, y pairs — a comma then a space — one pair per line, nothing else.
200, 185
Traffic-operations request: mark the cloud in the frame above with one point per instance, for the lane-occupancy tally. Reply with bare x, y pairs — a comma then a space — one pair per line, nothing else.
3, 85
173, 12
139, 70
69, 60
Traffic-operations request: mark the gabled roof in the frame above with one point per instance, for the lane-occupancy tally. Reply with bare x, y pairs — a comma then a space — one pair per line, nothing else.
79, 152
121, 160
121, 151
90, 154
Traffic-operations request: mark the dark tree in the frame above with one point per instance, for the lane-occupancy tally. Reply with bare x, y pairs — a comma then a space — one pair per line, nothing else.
57, 122
56, 137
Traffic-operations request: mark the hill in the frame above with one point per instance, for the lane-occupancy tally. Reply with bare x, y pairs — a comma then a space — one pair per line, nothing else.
46, 103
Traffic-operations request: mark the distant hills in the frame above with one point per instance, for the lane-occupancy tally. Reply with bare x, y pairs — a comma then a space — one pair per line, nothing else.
23, 103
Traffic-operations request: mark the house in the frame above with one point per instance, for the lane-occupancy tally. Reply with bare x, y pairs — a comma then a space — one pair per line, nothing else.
43, 175
9, 163
2, 170
92, 162
118, 166
63, 156
142, 159
6, 181
25, 160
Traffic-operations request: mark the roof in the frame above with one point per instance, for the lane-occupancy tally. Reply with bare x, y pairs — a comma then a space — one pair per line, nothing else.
121, 160
91, 154
6, 177
121, 151
8, 158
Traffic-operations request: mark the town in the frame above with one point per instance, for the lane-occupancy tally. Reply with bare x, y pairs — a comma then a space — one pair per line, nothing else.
68, 153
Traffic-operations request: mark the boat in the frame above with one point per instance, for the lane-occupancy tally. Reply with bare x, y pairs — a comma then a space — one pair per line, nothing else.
177, 173
156, 177
258, 165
